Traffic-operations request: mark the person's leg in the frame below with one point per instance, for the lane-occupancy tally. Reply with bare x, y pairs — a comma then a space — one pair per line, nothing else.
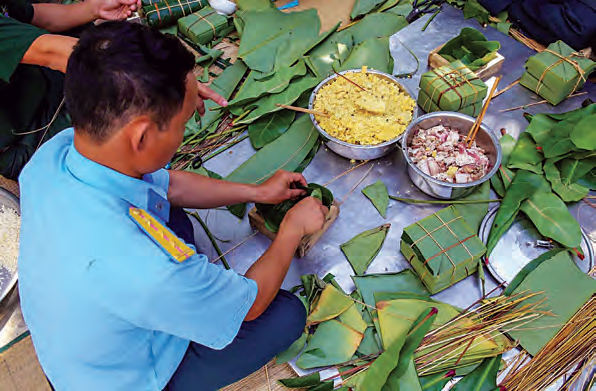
257, 342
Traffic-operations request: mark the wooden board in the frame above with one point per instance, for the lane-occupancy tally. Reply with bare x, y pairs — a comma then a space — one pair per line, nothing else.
435, 60
307, 242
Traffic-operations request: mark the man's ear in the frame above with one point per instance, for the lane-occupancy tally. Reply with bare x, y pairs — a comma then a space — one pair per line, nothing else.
138, 132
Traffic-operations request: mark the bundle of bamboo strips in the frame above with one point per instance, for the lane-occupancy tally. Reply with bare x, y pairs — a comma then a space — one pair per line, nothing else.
452, 345
572, 350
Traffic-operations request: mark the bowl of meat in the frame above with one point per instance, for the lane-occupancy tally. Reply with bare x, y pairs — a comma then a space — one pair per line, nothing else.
440, 163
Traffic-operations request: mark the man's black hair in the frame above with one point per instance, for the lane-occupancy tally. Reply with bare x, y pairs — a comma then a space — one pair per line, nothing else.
119, 70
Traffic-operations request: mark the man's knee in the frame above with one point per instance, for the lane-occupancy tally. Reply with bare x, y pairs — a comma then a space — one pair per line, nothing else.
292, 314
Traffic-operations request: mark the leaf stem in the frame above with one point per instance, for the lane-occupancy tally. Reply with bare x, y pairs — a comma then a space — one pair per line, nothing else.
431, 19
415, 201
230, 145
211, 238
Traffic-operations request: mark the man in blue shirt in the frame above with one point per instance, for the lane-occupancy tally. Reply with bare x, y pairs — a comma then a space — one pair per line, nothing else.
114, 299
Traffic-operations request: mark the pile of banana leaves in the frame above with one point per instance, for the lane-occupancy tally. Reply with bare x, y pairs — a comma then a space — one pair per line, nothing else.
373, 338
552, 163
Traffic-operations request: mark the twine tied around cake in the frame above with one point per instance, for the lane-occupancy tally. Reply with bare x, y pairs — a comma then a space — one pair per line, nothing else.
457, 78
188, 2
561, 60
202, 17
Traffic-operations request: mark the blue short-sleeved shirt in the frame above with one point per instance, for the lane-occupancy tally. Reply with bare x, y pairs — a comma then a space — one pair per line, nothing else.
107, 307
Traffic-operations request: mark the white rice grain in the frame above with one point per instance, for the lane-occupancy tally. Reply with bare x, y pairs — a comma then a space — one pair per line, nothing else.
10, 225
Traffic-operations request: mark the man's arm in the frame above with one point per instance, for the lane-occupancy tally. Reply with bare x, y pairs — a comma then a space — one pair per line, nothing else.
57, 18
269, 271
50, 51
190, 190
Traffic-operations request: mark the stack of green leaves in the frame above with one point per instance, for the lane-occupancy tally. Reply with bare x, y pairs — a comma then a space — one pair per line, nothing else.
274, 214
363, 248
470, 47
553, 162
204, 26
167, 12
452, 87
442, 249
557, 72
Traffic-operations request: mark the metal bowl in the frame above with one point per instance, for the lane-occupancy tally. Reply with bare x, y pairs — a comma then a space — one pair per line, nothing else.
485, 138
354, 151
7, 279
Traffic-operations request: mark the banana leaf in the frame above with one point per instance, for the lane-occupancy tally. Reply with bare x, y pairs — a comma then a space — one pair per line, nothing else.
400, 9
192, 126
272, 39
167, 12
582, 135
369, 343
408, 381
525, 184
304, 381
268, 103
406, 356
470, 47
254, 5
569, 192
559, 141
378, 195
352, 318
483, 378
224, 84
552, 219
502, 179
324, 386
267, 129
363, 7
204, 26
285, 153
507, 146
291, 352
331, 304
373, 53
434, 382
473, 214
572, 168
330, 54
376, 26
253, 89
541, 124
332, 343
588, 180
274, 214
530, 267
565, 287
362, 249
395, 360
525, 156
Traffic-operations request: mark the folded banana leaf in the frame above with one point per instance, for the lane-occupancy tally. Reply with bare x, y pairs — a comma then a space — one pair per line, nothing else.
363, 248
274, 214
525, 155
470, 47
332, 343
564, 286
363, 7
373, 53
552, 219
483, 378
167, 12
331, 304
430, 106
269, 128
204, 26
524, 185
255, 87
149, 2
378, 195
272, 39
268, 103
381, 25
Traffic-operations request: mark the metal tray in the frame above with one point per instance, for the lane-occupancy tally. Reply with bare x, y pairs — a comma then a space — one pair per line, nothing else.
516, 248
7, 279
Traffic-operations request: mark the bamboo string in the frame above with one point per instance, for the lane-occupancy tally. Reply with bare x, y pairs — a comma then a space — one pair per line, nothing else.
357, 184
345, 172
539, 103
506, 88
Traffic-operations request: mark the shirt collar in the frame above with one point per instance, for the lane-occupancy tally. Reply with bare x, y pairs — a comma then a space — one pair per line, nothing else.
136, 192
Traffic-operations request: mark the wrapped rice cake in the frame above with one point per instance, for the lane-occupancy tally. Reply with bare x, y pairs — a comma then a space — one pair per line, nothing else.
442, 249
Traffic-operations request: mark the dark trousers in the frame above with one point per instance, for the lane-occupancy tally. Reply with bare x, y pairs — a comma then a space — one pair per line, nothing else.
257, 342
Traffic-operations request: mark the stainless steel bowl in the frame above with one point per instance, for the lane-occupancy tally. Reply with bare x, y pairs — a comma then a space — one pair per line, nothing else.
353, 151
7, 279
485, 138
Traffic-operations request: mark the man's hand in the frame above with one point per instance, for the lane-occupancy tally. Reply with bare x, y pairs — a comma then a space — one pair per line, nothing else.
282, 186
113, 9
305, 218
206, 93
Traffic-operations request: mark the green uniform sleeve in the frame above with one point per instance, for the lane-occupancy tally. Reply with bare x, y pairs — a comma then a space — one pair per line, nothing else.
15, 39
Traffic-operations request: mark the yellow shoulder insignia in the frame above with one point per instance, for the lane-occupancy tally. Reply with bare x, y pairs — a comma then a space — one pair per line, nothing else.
166, 239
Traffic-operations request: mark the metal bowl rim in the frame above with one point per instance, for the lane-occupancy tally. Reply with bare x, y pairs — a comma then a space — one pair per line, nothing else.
335, 140
15, 276
484, 127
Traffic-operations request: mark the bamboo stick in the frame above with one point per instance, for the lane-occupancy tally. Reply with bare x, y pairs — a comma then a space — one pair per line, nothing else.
539, 103
349, 81
478, 123
301, 110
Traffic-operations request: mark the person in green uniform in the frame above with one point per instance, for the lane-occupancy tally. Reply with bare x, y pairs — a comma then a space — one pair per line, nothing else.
33, 60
